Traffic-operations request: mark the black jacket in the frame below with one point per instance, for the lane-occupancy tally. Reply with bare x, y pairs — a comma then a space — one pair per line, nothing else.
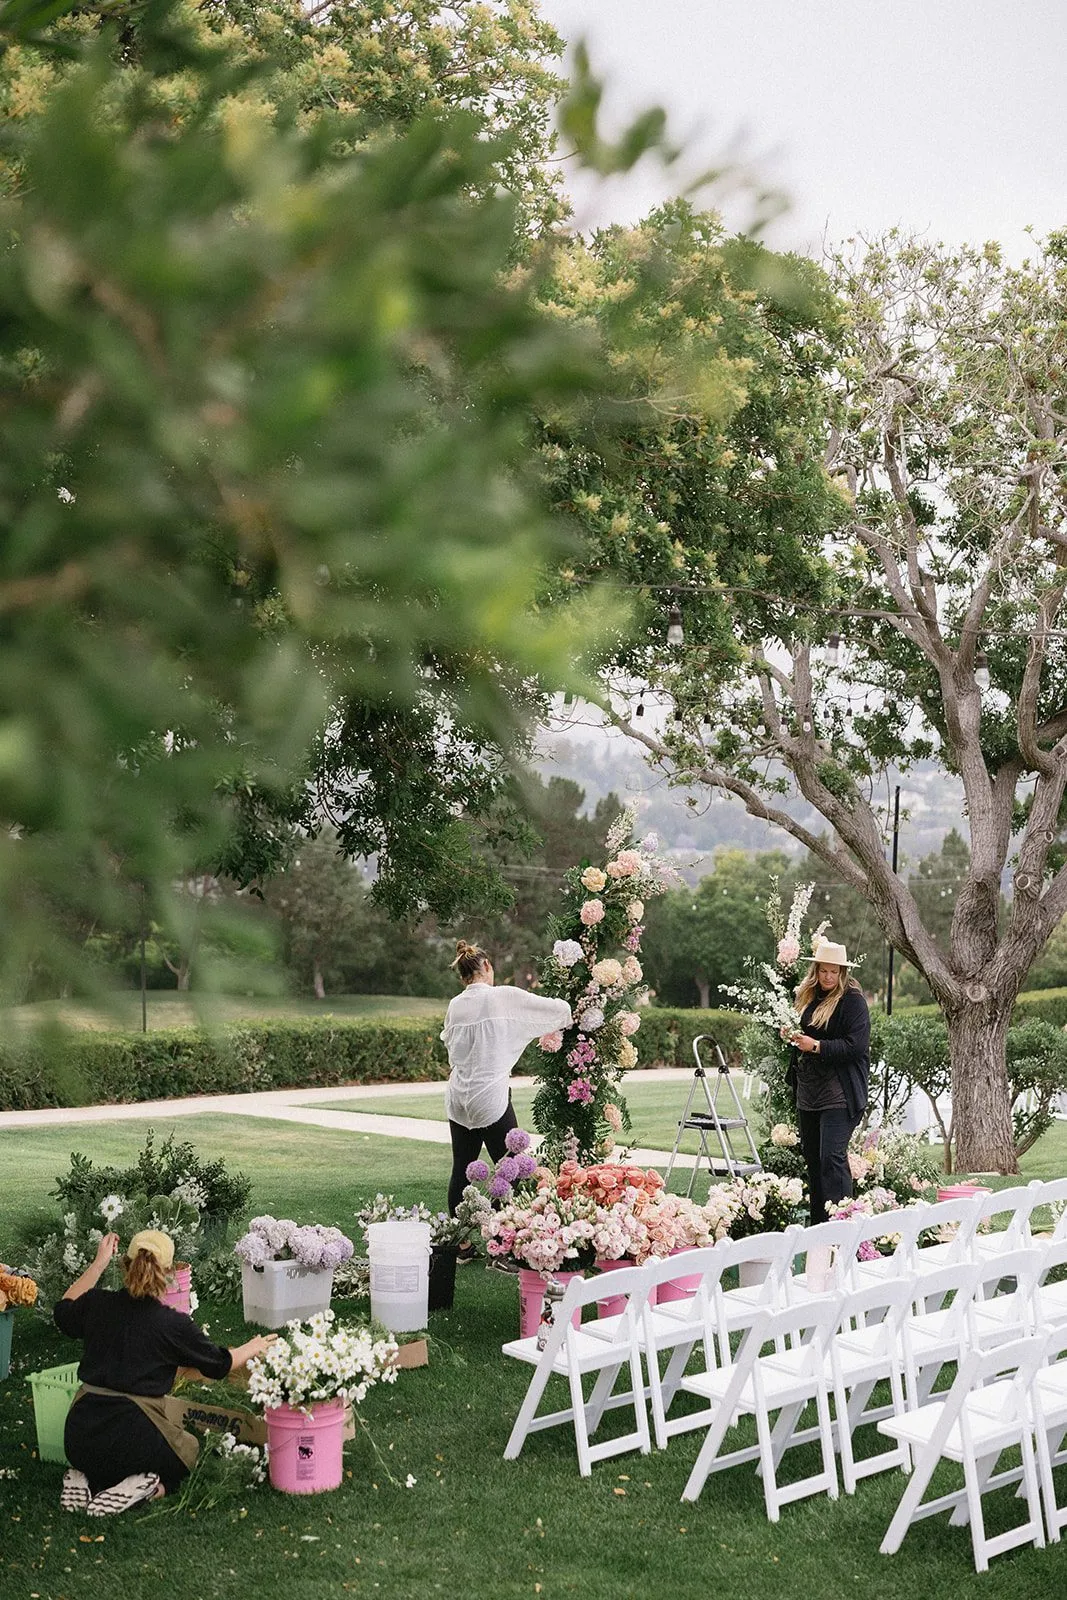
844, 1044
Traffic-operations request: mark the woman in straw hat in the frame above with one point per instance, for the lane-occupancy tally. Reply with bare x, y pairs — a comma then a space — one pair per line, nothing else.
829, 1071
124, 1440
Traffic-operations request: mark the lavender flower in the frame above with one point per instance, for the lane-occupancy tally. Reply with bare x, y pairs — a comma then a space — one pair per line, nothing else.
517, 1141
500, 1188
507, 1168
477, 1172
525, 1166
254, 1249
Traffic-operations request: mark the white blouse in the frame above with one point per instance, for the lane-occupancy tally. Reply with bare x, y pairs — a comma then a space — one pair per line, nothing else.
487, 1028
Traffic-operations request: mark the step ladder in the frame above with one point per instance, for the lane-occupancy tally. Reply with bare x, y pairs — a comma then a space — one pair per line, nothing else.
717, 1133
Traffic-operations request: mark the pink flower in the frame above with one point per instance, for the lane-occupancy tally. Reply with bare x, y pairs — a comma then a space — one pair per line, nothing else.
580, 1091
613, 1116
629, 1022
551, 1042
631, 970
788, 952
592, 912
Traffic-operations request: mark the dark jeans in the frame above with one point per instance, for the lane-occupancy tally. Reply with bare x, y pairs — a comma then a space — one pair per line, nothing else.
824, 1137
467, 1147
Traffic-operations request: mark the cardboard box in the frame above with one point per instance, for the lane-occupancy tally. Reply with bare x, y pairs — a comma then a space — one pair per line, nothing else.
415, 1354
244, 1425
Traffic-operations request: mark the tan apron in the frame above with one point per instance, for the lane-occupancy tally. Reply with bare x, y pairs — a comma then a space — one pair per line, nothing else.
164, 1411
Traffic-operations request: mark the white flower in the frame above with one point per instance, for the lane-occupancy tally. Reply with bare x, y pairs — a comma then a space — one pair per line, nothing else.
410, 1481
111, 1207
635, 910
66, 496
194, 1301
607, 972
567, 952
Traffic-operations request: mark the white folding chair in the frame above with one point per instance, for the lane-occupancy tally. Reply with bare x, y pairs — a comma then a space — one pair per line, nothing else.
905, 1225
867, 1350
676, 1327
1054, 1194
784, 1379
821, 1261
1012, 1207
934, 1333
955, 1221
768, 1257
999, 1316
985, 1412
574, 1354
1050, 1424
1050, 1299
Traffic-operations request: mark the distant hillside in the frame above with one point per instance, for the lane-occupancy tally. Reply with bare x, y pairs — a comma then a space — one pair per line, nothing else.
600, 761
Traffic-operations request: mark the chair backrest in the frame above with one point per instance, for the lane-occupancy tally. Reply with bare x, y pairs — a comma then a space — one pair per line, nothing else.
902, 1224
890, 1296
1053, 1253
1022, 1266
809, 1326
1015, 1204
707, 1263
826, 1250
1054, 1194
629, 1283
956, 1278
776, 1248
962, 1214
1007, 1402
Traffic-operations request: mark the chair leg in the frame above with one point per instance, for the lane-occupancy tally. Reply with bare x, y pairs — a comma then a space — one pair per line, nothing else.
603, 1389
1045, 1453
826, 1437
581, 1427
712, 1440
527, 1412
975, 1474
637, 1385
769, 1461
910, 1502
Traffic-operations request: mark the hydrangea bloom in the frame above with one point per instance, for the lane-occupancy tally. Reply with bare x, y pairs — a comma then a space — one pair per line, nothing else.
550, 1042
607, 972
629, 1022
632, 970
592, 1018
568, 952
627, 1055
593, 879
635, 910
592, 912
788, 952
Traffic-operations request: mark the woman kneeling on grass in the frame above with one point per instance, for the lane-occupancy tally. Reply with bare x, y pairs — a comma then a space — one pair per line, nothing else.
487, 1028
124, 1441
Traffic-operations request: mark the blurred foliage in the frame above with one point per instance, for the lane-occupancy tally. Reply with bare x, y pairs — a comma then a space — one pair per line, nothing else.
264, 414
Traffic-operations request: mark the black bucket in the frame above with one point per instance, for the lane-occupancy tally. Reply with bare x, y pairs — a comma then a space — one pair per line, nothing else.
442, 1285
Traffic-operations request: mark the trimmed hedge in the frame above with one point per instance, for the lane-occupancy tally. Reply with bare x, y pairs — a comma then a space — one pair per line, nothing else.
122, 1068
1043, 1005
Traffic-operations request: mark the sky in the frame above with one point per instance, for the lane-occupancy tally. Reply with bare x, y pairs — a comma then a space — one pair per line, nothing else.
947, 117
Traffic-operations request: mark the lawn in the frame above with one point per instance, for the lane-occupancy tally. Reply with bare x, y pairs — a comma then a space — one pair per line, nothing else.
169, 1009
471, 1523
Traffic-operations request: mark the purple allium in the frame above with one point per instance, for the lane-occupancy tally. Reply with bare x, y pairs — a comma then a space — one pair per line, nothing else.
507, 1168
477, 1172
500, 1188
517, 1141
525, 1166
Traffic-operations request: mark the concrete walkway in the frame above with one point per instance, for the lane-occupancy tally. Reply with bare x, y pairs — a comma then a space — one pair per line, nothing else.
307, 1106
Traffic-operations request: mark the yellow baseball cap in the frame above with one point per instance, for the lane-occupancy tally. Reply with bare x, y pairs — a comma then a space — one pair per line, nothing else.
157, 1244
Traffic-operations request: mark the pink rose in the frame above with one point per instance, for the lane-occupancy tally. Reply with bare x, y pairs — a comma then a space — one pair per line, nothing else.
592, 912
551, 1041
629, 1022
788, 952
631, 970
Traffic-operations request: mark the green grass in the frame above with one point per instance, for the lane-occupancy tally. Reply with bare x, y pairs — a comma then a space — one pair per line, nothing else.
473, 1523
655, 1108
169, 1009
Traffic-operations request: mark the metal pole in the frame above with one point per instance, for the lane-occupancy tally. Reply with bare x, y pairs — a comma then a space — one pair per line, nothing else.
144, 970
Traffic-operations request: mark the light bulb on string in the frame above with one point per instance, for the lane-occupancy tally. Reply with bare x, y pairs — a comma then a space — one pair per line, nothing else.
833, 650
806, 725
675, 630
678, 716
981, 671
640, 709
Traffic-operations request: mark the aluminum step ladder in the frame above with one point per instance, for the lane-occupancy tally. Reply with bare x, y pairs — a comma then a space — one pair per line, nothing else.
717, 1133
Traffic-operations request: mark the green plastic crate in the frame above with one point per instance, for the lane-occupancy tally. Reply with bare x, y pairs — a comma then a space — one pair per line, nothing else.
53, 1391
7, 1319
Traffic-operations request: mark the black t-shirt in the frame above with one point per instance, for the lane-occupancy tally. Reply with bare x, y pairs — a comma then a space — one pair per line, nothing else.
136, 1346
818, 1084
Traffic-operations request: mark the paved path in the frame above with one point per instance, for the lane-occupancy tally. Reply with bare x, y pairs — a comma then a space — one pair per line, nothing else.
306, 1106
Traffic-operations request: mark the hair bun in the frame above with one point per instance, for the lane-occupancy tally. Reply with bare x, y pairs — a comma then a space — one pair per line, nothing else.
462, 947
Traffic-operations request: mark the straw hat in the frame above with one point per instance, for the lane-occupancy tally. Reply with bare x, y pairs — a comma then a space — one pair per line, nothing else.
828, 954
157, 1244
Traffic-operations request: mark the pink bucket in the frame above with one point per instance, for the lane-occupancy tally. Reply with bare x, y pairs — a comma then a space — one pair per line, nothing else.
615, 1304
177, 1294
305, 1447
532, 1298
679, 1288
961, 1191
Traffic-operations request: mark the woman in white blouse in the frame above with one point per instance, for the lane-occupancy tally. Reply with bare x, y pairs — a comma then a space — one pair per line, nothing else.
487, 1028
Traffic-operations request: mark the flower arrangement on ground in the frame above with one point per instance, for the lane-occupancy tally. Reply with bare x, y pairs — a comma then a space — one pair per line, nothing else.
320, 1360
763, 1202
873, 1203
882, 1157
579, 1217
444, 1229
280, 1239
16, 1289
594, 965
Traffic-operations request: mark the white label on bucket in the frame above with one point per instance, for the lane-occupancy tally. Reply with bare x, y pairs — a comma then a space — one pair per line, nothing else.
305, 1455
394, 1280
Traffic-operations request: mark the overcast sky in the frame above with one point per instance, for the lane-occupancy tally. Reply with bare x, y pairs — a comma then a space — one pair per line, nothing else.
947, 116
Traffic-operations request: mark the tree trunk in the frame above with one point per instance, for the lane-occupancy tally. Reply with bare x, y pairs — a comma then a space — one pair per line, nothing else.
320, 987
981, 1102
704, 990
182, 972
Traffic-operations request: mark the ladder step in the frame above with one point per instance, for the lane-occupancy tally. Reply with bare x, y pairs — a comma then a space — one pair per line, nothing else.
741, 1169
701, 1121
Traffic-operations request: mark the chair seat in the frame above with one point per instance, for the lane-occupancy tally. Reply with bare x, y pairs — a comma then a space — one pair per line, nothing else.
785, 1378
666, 1330
988, 1434
588, 1347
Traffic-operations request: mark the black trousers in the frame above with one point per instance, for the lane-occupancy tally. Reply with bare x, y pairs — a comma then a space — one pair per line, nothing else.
467, 1147
824, 1137
108, 1438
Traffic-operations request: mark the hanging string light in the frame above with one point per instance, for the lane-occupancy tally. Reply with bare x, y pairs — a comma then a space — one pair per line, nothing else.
675, 630
640, 709
981, 671
833, 650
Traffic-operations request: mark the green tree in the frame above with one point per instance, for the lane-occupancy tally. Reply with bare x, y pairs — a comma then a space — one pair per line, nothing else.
699, 939
264, 453
888, 588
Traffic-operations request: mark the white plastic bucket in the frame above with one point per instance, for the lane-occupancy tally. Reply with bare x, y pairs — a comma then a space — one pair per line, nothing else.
399, 1273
